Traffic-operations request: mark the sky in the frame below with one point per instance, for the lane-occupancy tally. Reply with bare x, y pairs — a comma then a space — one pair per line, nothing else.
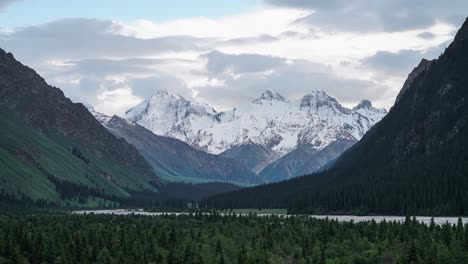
115, 54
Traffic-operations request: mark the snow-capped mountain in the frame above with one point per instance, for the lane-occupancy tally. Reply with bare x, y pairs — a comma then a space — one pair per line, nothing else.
174, 160
270, 120
102, 118
168, 114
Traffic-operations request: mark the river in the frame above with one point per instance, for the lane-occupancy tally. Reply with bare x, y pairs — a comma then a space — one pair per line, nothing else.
342, 218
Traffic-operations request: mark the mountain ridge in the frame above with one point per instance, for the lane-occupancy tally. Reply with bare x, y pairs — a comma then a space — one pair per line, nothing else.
269, 125
411, 162
175, 160
181, 109
60, 146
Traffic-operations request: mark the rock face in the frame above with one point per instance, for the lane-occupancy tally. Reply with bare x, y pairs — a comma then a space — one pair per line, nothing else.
175, 160
419, 70
304, 160
69, 126
257, 132
254, 156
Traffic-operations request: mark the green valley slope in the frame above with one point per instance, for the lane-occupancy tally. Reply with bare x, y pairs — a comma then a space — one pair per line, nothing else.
54, 150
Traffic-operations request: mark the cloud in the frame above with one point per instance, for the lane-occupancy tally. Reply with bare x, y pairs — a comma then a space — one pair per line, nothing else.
402, 62
103, 67
397, 63
427, 35
260, 22
91, 59
384, 15
294, 77
218, 63
95, 80
145, 87
224, 61
87, 38
5, 3
264, 38
117, 99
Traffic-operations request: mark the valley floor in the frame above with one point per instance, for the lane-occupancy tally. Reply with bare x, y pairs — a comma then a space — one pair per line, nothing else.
215, 238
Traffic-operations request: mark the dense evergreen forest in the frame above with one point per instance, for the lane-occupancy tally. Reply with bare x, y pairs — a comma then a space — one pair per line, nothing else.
225, 239
432, 185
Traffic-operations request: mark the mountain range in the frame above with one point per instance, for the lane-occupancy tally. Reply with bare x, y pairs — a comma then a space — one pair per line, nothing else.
175, 160
360, 160
54, 152
414, 161
272, 136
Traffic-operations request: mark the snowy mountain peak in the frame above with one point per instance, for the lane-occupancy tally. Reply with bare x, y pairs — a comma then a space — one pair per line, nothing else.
166, 113
365, 108
364, 104
162, 93
317, 96
102, 118
319, 93
272, 121
116, 122
269, 96
318, 100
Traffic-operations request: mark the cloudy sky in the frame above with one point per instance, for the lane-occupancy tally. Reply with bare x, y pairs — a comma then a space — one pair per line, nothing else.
114, 53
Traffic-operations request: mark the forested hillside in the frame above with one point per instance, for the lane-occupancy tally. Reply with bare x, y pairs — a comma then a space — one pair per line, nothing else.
415, 161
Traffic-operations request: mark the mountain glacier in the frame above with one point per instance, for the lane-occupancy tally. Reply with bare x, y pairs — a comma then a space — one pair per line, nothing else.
270, 120
175, 160
271, 123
